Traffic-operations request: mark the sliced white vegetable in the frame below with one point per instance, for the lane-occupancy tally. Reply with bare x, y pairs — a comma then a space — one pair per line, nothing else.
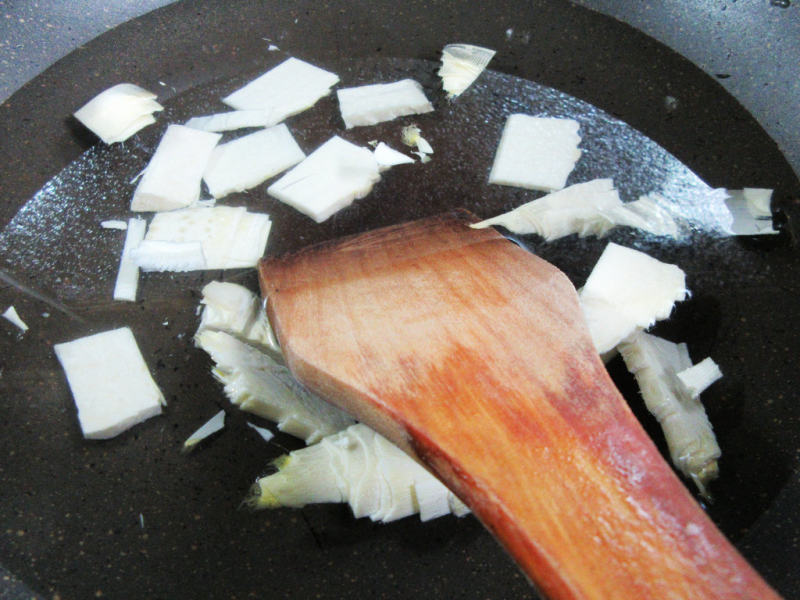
751, 212
114, 224
698, 377
212, 426
461, 66
229, 121
230, 237
172, 177
360, 467
110, 382
256, 383
371, 104
157, 255
648, 213
118, 112
291, 87
265, 433
628, 290
128, 274
575, 209
655, 363
388, 157
252, 159
536, 153
412, 136
234, 309
13, 317
329, 179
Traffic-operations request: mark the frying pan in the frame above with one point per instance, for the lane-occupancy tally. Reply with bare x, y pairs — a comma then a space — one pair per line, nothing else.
132, 517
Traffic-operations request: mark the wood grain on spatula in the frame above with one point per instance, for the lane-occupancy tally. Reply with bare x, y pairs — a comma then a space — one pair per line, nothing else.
472, 354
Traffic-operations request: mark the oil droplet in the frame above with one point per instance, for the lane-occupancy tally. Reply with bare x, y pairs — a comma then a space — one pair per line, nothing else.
670, 103
781, 3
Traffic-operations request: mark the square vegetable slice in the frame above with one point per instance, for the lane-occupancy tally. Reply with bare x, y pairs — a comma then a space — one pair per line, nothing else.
110, 382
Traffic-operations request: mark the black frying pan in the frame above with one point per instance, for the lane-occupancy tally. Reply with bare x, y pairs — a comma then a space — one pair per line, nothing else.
71, 508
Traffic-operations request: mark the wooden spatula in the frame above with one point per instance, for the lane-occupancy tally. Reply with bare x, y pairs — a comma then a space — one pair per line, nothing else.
472, 354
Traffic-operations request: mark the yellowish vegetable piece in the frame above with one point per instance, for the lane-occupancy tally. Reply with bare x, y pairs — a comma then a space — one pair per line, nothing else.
693, 448
360, 467
371, 104
290, 88
110, 382
461, 66
172, 177
536, 153
329, 179
627, 291
212, 426
250, 160
118, 112
234, 309
256, 383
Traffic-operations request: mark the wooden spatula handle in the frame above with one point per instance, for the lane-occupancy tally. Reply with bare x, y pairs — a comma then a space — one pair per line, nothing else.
472, 354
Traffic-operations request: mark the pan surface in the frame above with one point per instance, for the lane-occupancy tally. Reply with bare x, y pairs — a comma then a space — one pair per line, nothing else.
133, 514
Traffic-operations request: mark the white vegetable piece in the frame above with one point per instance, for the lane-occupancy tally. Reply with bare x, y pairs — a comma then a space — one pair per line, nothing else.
128, 274
172, 177
212, 426
360, 467
371, 104
234, 309
290, 88
252, 159
114, 224
590, 208
648, 213
157, 255
388, 157
698, 377
112, 388
117, 113
536, 153
231, 120
626, 291
13, 317
751, 212
461, 66
256, 383
412, 136
655, 363
229, 237
577, 209
329, 179
265, 433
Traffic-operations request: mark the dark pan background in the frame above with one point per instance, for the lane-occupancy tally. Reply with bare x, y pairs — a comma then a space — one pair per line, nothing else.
583, 53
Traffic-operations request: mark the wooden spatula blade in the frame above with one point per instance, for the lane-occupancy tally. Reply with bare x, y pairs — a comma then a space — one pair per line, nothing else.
472, 354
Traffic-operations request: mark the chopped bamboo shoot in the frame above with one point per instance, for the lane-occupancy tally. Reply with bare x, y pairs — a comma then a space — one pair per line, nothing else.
172, 177
290, 88
329, 179
128, 273
626, 291
110, 382
255, 383
360, 467
117, 113
12, 316
655, 363
536, 153
230, 121
212, 426
250, 160
461, 66
371, 104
